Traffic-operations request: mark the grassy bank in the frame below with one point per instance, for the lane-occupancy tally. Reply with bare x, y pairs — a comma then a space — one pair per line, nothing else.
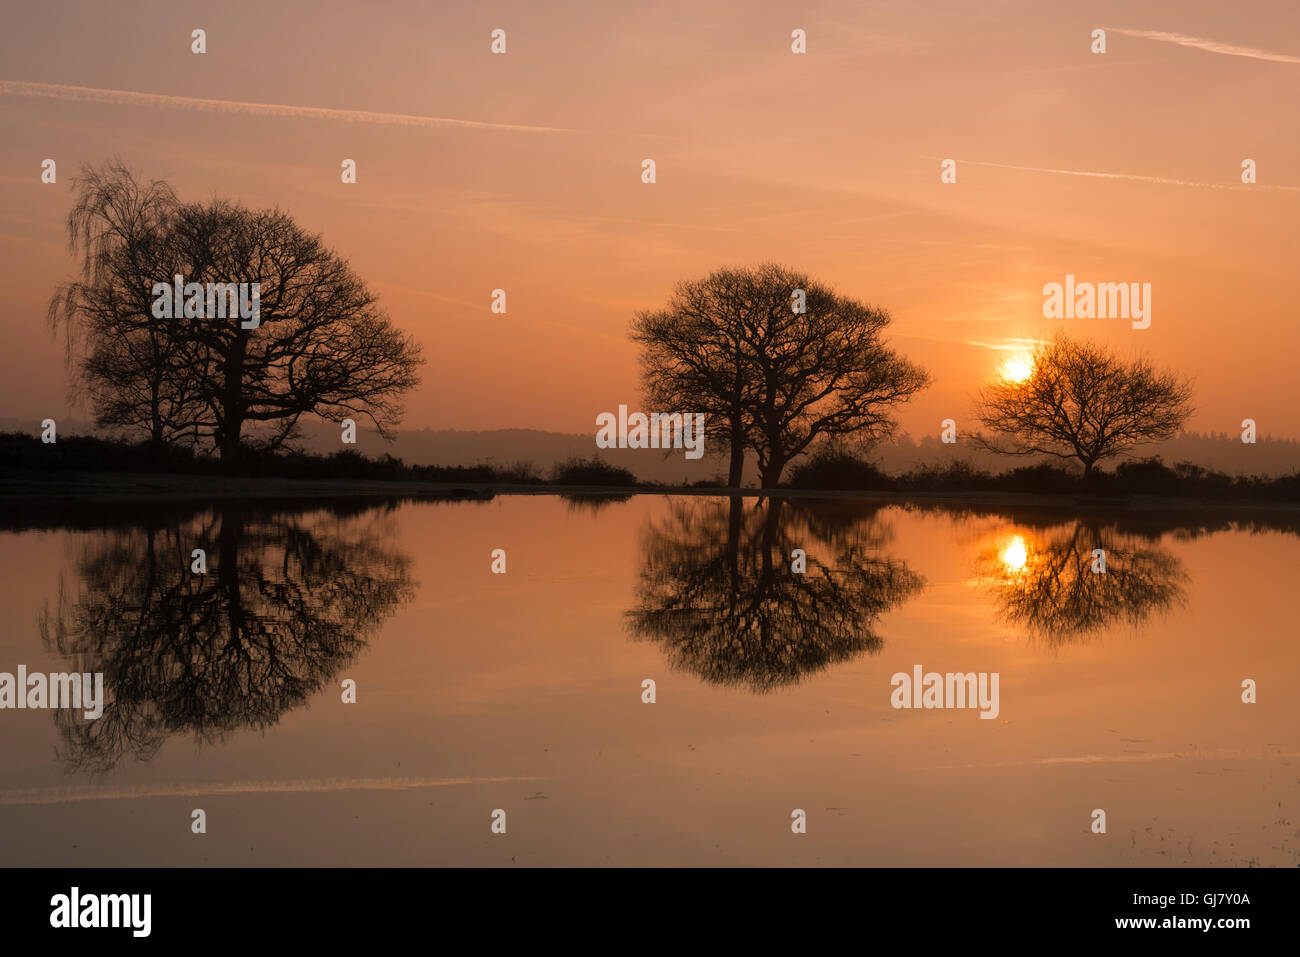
82, 469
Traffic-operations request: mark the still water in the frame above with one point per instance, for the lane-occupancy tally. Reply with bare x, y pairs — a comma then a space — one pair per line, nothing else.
523, 691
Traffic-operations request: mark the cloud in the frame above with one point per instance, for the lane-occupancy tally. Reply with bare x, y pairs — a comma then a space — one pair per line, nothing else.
88, 94
1209, 46
1134, 177
1015, 344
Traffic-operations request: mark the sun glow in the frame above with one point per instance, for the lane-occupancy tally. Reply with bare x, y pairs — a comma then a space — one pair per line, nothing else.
1015, 555
1018, 368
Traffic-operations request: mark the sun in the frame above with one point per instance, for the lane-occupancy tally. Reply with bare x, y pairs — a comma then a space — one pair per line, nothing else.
1018, 368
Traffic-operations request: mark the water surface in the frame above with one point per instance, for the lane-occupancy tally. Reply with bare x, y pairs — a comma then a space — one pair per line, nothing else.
523, 692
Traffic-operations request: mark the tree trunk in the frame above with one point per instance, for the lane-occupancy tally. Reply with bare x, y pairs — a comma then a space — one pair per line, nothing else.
155, 413
735, 522
232, 521
230, 442
737, 470
771, 525
772, 474
232, 403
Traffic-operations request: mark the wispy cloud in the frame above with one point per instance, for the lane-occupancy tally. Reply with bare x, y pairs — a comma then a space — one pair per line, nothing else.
1004, 345
24, 796
482, 306
88, 94
1133, 177
410, 290
1015, 344
1219, 754
1201, 43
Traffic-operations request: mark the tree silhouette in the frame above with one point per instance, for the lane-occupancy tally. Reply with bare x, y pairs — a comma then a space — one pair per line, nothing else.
717, 592
1045, 582
772, 371
1081, 402
121, 358
288, 600
322, 347
693, 357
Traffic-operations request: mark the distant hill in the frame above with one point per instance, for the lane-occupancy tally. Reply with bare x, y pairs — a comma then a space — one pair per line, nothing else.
545, 449
507, 446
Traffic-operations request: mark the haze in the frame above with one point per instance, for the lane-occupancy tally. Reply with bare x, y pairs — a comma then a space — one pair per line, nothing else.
828, 162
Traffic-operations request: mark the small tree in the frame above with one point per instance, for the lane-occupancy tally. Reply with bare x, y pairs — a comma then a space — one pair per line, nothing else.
1082, 402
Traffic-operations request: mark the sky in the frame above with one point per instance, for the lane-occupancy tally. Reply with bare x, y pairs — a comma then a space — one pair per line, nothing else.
522, 171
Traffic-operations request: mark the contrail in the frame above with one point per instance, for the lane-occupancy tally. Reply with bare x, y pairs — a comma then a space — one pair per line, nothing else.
1200, 43
90, 94
26, 796
1135, 177
1219, 754
1020, 344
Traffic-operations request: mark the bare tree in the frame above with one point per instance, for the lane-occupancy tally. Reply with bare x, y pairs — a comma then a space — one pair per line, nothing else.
716, 594
1054, 593
293, 597
322, 346
825, 373
781, 360
119, 357
1082, 402
694, 356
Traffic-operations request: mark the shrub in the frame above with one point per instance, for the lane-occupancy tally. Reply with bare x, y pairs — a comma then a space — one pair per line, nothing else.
592, 471
956, 476
1040, 478
838, 471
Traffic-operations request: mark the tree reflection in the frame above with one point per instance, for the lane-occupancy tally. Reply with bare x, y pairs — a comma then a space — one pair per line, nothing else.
592, 502
717, 592
288, 600
1044, 580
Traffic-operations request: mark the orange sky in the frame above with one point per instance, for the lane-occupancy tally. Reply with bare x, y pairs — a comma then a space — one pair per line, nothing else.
828, 162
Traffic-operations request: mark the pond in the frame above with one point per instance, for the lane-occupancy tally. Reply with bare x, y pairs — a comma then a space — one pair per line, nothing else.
653, 680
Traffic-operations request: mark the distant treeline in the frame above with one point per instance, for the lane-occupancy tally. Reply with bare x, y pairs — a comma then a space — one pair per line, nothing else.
86, 453
449, 447
828, 471
1221, 451
844, 472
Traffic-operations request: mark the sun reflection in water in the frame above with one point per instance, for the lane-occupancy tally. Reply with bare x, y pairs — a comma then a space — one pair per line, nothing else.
1015, 555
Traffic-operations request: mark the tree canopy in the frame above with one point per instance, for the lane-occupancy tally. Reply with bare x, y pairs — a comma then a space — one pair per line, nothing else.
1080, 401
777, 360
321, 345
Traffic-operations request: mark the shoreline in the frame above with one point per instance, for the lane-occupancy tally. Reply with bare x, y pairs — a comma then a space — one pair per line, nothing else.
33, 488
